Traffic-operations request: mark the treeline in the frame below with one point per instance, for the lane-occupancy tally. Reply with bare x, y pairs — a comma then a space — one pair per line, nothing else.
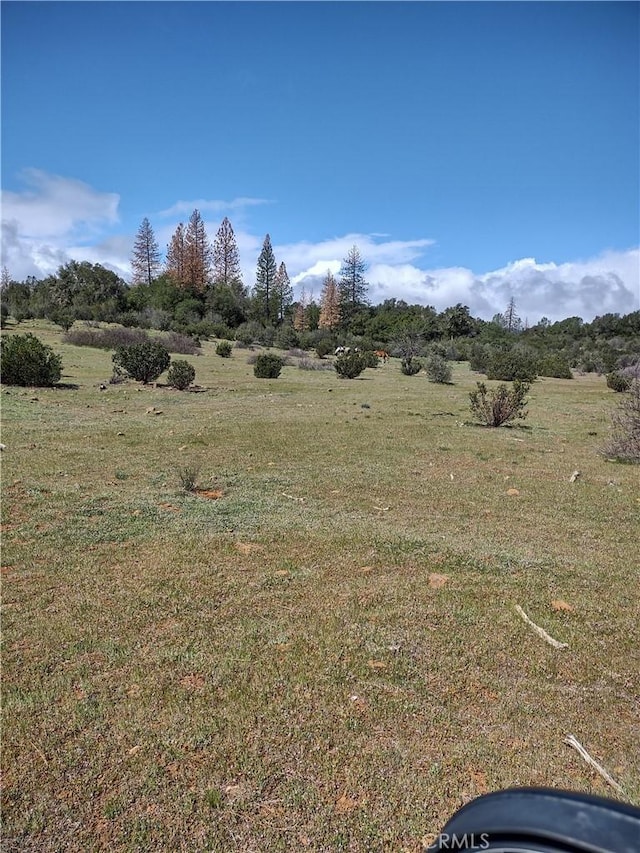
199, 291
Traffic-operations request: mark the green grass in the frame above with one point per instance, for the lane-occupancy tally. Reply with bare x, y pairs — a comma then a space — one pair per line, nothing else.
274, 670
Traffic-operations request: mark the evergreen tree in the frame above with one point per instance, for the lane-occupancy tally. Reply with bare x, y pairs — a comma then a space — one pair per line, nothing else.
329, 304
282, 292
226, 258
145, 260
197, 255
175, 263
352, 285
266, 305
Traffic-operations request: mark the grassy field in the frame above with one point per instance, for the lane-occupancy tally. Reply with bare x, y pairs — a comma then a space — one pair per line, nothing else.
327, 657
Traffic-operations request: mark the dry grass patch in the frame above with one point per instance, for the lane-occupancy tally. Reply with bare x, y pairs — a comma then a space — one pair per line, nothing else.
284, 667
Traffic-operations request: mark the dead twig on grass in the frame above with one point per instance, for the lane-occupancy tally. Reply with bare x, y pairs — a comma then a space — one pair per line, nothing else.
540, 631
572, 741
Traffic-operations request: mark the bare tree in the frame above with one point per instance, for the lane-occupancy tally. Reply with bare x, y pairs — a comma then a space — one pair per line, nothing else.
510, 319
175, 263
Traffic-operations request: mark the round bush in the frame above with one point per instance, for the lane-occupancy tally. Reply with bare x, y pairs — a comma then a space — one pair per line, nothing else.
323, 347
438, 369
27, 361
223, 349
618, 382
513, 364
370, 359
555, 366
349, 365
144, 362
410, 366
181, 374
268, 366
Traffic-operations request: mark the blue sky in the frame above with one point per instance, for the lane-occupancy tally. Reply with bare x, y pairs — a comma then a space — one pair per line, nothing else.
472, 151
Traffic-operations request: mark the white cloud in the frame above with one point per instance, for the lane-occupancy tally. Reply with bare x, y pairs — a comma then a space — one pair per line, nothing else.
185, 208
40, 224
54, 206
57, 219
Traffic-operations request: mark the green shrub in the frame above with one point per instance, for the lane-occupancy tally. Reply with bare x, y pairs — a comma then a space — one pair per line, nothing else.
286, 337
324, 347
370, 358
223, 349
26, 360
501, 405
410, 366
181, 374
554, 366
479, 356
268, 366
618, 382
516, 363
350, 365
438, 369
143, 362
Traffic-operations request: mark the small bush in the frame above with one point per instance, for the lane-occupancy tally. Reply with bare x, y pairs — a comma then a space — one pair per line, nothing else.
224, 349
624, 444
618, 382
268, 366
410, 366
188, 477
27, 361
438, 369
479, 357
324, 347
181, 374
143, 362
350, 365
370, 358
501, 405
554, 366
513, 364
286, 337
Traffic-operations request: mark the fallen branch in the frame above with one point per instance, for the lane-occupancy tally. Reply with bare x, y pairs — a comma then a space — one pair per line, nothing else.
540, 631
572, 741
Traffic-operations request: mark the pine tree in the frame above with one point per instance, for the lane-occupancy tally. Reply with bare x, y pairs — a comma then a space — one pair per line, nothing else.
282, 292
197, 256
226, 258
145, 260
300, 323
175, 263
352, 285
330, 308
265, 281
